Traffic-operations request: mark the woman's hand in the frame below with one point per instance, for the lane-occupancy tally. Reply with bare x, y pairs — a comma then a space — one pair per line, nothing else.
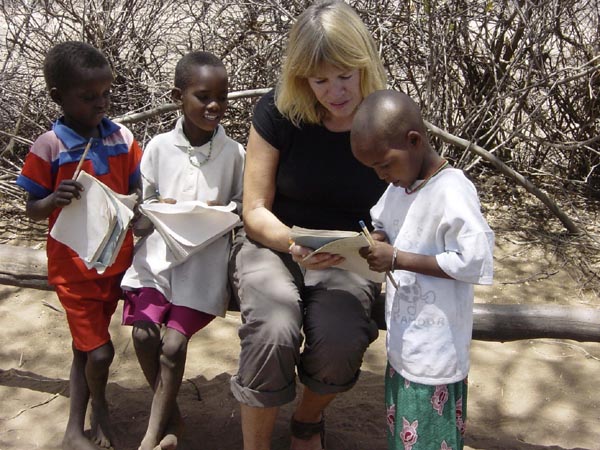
315, 262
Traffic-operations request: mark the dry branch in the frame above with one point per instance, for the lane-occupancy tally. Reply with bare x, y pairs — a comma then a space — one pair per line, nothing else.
518, 78
169, 107
512, 174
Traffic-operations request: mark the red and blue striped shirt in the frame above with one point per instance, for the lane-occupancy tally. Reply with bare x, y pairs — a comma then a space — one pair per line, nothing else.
113, 158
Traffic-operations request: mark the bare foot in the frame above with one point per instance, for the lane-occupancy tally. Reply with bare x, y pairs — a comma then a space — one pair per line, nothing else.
100, 430
172, 434
149, 443
169, 442
77, 441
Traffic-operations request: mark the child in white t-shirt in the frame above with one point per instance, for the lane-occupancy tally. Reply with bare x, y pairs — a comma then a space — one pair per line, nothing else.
430, 234
194, 161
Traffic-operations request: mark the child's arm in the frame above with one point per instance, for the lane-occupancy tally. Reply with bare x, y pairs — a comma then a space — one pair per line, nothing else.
41, 208
140, 224
381, 259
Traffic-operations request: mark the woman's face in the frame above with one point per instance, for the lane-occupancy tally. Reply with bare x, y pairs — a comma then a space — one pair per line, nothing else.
338, 91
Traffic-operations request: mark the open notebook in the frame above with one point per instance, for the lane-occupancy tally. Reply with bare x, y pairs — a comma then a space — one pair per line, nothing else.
95, 225
343, 243
189, 226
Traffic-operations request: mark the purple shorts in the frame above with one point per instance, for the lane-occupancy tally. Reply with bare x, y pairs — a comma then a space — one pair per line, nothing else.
149, 305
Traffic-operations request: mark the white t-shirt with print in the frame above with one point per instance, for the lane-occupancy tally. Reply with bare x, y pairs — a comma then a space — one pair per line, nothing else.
430, 319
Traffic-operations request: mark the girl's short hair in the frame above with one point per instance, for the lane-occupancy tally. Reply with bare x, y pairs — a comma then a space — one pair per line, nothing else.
328, 32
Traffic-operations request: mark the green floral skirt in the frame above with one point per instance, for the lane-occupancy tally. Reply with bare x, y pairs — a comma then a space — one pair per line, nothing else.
422, 417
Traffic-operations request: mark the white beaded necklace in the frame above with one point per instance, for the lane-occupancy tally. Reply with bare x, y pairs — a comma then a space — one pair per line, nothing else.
199, 164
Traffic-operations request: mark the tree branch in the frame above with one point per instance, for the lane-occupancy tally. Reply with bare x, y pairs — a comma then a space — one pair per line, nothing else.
512, 174
168, 107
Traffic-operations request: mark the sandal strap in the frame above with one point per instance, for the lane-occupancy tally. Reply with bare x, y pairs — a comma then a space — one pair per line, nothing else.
305, 430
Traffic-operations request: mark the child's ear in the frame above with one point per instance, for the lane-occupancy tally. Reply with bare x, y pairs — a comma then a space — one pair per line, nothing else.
55, 95
176, 94
414, 138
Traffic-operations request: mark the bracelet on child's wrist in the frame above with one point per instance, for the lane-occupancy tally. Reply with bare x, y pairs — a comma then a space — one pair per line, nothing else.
394, 254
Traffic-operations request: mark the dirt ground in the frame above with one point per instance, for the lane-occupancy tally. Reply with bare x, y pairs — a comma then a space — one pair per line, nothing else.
524, 395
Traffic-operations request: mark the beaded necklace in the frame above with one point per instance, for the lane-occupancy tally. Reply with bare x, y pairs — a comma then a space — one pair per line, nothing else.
422, 184
199, 164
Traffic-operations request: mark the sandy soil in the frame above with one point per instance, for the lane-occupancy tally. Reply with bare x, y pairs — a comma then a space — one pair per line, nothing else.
524, 395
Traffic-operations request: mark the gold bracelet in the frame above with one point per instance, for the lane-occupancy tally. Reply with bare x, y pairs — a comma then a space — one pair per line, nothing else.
394, 254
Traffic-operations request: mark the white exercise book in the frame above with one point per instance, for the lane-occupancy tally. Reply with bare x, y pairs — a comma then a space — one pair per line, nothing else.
343, 243
189, 226
96, 224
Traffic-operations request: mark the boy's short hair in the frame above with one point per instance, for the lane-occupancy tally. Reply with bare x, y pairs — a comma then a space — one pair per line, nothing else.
189, 60
65, 59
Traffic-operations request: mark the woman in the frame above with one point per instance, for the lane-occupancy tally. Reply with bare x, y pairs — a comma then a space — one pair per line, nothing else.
300, 171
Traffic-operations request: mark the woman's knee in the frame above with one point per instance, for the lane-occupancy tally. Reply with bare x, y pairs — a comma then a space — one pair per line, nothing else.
340, 348
279, 326
335, 355
337, 328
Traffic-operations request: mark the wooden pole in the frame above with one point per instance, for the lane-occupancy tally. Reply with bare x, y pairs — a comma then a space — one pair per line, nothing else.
26, 267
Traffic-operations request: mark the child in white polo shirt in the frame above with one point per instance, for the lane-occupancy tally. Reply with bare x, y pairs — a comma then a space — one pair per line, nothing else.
195, 161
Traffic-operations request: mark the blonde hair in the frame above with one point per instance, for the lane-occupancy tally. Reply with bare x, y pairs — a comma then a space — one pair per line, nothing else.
328, 32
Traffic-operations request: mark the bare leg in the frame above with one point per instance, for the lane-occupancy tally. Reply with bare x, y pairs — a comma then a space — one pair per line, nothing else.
146, 341
96, 373
168, 382
257, 426
310, 410
79, 394
163, 363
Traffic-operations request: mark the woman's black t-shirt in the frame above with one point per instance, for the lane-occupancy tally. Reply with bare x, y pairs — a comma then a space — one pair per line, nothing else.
319, 183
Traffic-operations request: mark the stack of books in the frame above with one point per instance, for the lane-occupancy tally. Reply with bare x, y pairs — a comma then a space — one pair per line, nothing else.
95, 226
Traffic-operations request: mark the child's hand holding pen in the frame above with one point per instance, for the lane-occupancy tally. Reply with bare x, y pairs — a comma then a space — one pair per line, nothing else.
379, 256
376, 251
66, 191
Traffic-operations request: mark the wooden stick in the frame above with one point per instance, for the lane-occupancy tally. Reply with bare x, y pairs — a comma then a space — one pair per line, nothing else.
85, 152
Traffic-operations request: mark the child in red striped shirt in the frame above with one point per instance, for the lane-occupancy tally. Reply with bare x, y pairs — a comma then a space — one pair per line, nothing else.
79, 80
